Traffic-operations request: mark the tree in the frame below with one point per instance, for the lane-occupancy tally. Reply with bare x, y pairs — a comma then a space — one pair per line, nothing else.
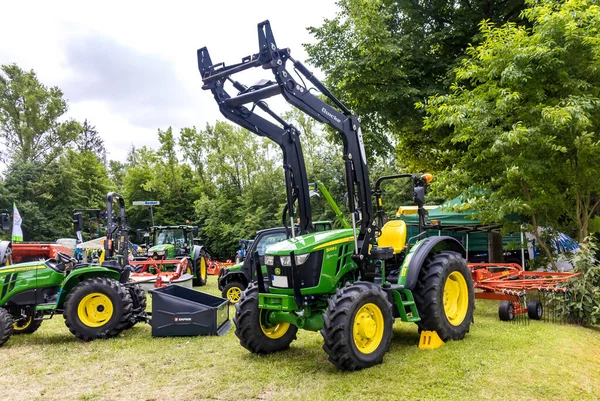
382, 56
523, 119
90, 140
31, 118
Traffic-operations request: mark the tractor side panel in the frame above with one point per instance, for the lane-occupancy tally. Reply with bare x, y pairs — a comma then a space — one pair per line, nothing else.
16, 279
409, 272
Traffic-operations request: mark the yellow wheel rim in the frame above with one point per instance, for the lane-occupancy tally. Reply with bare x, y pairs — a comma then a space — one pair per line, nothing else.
95, 310
234, 293
203, 268
275, 332
368, 328
24, 325
456, 298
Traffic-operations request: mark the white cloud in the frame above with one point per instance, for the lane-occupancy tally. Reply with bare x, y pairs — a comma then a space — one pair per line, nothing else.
130, 67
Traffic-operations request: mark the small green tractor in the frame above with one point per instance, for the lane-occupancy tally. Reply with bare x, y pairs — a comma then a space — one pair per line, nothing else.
176, 243
349, 284
96, 301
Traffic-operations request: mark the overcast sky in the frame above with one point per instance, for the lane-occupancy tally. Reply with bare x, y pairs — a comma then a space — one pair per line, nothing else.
130, 67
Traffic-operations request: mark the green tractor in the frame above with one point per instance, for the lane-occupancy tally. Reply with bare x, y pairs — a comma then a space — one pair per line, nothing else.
95, 300
233, 280
176, 243
349, 284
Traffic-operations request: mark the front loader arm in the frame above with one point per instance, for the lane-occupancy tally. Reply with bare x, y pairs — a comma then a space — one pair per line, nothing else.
285, 135
338, 117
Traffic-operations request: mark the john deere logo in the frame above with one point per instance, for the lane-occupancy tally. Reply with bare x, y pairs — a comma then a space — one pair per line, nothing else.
277, 271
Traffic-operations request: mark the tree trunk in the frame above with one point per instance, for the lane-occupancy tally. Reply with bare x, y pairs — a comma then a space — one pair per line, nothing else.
495, 250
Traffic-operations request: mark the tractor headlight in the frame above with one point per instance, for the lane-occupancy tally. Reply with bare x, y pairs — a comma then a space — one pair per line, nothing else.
300, 259
269, 260
160, 253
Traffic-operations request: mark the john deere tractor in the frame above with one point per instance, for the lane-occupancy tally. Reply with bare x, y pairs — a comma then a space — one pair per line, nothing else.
177, 242
95, 300
349, 284
234, 280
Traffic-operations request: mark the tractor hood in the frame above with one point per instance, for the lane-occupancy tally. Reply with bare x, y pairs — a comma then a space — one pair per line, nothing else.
311, 242
159, 248
235, 268
19, 267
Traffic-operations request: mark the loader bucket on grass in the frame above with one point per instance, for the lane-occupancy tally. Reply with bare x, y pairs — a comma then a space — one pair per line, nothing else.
180, 311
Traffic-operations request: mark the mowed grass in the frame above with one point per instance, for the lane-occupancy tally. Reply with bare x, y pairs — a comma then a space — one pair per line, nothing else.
497, 360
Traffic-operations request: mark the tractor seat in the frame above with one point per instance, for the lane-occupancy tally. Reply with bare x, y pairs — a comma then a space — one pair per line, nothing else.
393, 234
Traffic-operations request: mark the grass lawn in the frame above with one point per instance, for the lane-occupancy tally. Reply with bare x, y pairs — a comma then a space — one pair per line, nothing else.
497, 360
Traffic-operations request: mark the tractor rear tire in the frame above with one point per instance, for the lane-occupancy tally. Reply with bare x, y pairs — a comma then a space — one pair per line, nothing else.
444, 296
506, 311
98, 307
233, 291
28, 327
535, 311
253, 335
6, 326
139, 302
200, 271
357, 326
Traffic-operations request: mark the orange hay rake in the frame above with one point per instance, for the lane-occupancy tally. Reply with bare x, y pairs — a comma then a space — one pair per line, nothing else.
512, 285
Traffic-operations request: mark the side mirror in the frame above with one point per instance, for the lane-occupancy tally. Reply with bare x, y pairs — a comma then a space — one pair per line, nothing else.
195, 231
78, 221
419, 196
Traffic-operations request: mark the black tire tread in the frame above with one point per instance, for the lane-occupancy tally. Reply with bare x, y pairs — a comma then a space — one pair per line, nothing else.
108, 332
139, 303
35, 324
338, 317
6, 326
247, 326
428, 296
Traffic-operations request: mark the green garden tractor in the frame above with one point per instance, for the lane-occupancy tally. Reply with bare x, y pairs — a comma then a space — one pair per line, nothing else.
349, 284
95, 300
176, 243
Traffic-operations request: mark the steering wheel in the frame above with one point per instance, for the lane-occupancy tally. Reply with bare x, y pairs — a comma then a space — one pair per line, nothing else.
65, 258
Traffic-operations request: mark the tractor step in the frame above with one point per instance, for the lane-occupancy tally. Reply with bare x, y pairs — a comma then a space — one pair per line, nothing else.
46, 306
404, 301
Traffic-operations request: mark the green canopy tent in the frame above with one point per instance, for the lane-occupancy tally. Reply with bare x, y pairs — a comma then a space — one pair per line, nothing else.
471, 232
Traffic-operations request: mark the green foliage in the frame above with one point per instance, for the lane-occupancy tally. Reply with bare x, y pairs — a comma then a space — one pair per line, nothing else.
383, 56
31, 123
522, 119
582, 302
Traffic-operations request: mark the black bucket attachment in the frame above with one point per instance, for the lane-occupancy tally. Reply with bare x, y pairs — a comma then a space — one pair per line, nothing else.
180, 311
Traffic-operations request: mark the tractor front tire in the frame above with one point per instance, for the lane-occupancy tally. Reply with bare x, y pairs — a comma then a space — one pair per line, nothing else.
6, 326
233, 291
200, 271
255, 336
139, 302
29, 326
444, 296
357, 326
98, 308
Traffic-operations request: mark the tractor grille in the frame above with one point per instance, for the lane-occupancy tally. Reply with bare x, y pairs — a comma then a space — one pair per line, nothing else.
307, 274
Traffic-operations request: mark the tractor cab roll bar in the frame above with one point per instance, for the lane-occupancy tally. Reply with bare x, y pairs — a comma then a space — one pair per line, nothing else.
338, 117
116, 225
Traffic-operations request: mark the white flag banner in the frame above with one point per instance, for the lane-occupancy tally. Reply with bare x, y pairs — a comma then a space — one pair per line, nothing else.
17, 233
